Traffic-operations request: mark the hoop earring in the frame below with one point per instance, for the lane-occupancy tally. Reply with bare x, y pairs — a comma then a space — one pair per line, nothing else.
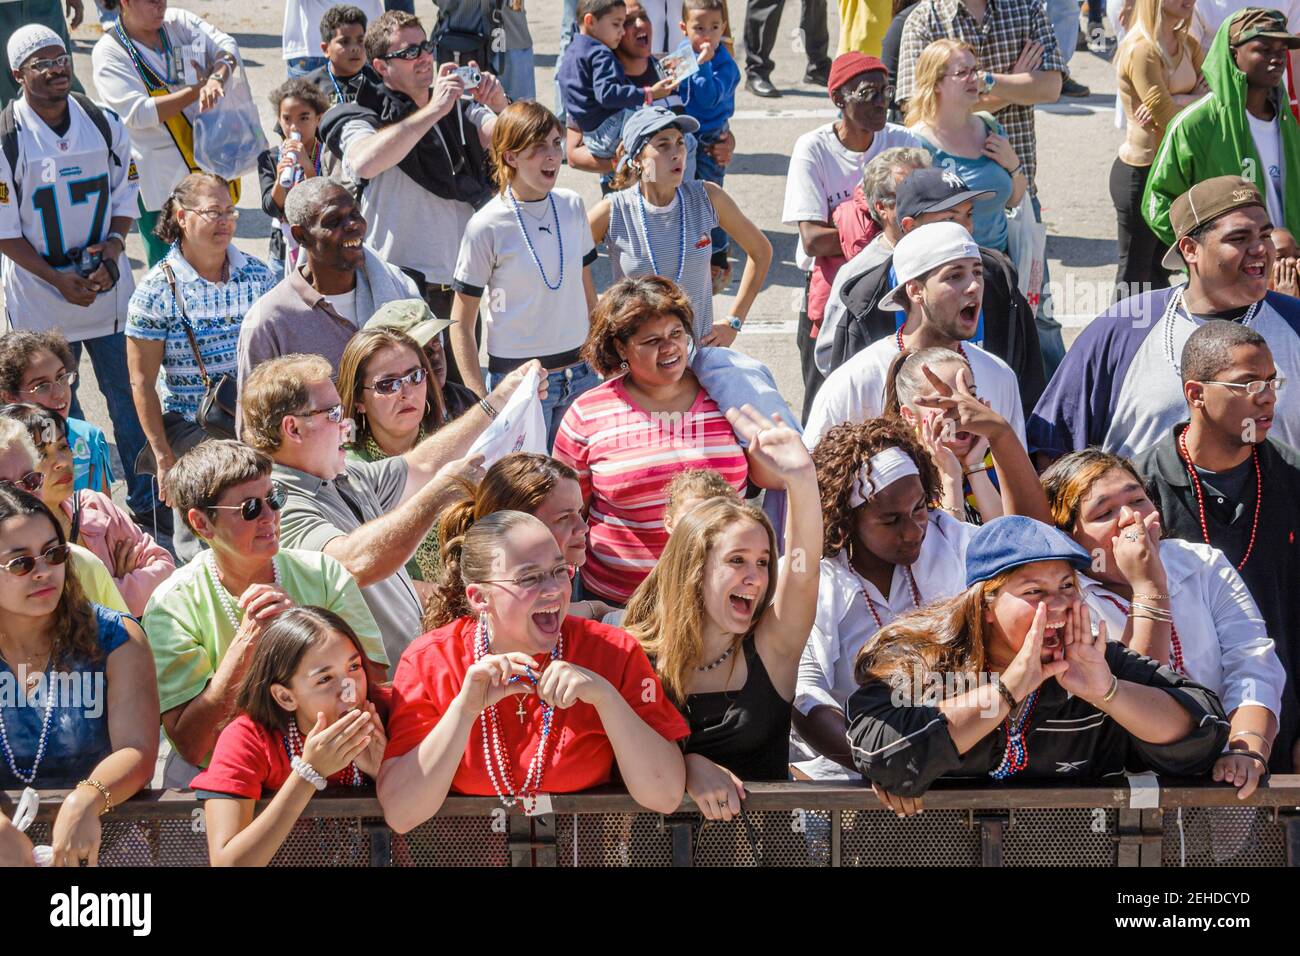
622, 366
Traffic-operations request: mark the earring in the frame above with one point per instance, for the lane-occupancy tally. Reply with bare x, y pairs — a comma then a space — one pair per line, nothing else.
428, 406
622, 366
482, 638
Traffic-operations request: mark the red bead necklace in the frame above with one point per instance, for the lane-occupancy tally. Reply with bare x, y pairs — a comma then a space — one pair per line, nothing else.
899, 339
871, 605
1175, 645
1200, 499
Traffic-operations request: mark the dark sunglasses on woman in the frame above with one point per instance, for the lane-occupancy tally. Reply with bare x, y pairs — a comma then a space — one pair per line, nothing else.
251, 508
391, 386
21, 567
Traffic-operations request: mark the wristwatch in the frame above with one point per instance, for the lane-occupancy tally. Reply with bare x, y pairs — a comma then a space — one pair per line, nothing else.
986, 81
734, 322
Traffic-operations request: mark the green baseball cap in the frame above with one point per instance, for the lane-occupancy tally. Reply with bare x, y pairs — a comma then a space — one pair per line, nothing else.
412, 316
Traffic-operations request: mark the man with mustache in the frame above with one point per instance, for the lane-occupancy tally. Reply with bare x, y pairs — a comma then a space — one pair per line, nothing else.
1243, 128
1120, 386
67, 193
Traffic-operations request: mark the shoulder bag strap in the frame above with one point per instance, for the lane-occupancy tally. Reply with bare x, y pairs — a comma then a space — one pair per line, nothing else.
185, 322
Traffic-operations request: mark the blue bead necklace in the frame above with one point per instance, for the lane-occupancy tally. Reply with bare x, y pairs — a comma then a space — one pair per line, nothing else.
645, 232
493, 751
1016, 756
559, 238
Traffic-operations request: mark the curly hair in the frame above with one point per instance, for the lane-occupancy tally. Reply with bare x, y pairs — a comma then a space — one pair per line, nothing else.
18, 347
841, 455
624, 308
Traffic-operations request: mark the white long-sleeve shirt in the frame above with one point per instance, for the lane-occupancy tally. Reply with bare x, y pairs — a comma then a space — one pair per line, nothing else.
157, 158
1224, 641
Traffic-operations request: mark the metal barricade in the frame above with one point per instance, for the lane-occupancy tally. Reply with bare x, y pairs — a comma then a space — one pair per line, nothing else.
784, 824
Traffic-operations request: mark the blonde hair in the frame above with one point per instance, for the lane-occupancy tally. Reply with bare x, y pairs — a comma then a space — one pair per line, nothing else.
1148, 21
666, 612
923, 104
692, 487
274, 389
14, 434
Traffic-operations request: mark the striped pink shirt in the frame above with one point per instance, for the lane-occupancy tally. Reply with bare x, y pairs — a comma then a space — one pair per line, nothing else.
625, 457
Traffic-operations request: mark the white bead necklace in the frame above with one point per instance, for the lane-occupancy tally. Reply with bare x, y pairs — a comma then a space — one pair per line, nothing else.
293, 744
28, 777
494, 755
224, 596
1171, 312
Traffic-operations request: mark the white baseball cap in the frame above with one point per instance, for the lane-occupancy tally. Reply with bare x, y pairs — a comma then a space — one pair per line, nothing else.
924, 249
27, 40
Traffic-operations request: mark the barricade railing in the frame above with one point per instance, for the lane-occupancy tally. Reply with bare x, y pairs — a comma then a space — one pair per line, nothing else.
1141, 821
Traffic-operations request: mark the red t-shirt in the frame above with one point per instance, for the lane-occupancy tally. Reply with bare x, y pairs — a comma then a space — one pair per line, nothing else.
579, 755
251, 761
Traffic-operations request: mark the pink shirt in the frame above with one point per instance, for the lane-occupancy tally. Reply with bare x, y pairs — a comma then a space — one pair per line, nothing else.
103, 525
625, 457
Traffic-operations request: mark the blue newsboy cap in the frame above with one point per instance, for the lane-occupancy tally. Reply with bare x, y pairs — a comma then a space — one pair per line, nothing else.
641, 126
1012, 540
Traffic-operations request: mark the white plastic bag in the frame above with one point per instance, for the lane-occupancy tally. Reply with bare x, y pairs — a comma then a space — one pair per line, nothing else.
1027, 247
519, 427
228, 138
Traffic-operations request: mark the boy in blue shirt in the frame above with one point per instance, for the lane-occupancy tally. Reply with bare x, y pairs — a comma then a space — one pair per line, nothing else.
710, 97
593, 84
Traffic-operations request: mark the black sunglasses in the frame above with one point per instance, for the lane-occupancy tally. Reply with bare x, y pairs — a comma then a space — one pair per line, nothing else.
251, 508
30, 482
21, 567
391, 386
411, 52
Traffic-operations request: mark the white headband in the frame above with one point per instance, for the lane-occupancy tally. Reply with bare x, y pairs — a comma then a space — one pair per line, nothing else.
886, 467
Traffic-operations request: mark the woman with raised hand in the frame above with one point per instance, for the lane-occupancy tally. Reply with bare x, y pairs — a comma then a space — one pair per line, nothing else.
1178, 602
510, 695
726, 630
101, 746
1009, 678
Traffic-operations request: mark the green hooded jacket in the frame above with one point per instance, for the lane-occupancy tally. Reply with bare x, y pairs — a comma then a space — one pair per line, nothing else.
1212, 137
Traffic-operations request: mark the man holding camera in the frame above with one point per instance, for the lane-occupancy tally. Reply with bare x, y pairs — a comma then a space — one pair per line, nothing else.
67, 199
418, 145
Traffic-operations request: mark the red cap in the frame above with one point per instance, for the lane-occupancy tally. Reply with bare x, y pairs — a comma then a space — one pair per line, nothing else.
849, 65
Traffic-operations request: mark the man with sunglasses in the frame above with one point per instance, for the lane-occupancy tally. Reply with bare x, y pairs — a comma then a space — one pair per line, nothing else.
370, 516
67, 199
205, 620
417, 143
19, 462
826, 165
1221, 479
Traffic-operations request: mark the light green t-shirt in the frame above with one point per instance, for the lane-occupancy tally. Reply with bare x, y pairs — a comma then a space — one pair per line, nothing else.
190, 631
96, 580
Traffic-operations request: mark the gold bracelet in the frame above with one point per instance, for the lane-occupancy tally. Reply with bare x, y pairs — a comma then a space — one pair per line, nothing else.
108, 797
1150, 597
1114, 688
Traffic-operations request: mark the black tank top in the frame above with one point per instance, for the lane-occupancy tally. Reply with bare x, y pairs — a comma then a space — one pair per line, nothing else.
747, 730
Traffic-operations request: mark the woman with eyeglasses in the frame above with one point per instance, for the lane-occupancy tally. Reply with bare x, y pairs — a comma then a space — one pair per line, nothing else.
184, 319
90, 518
944, 111
204, 621
38, 368
388, 390
158, 68
85, 715
512, 696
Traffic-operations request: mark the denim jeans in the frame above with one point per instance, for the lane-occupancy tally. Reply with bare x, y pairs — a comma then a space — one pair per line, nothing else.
1050, 342
708, 170
1063, 15
302, 65
108, 358
568, 29
517, 75
562, 387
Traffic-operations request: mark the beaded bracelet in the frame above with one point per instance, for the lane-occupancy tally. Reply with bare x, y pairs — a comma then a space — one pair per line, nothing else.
305, 770
1006, 694
1150, 597
108, 797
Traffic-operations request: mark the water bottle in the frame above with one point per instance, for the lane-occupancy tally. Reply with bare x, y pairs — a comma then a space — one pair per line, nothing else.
291, 176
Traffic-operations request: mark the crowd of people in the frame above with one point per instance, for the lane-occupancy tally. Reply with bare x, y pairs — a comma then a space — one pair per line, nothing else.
975, 554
